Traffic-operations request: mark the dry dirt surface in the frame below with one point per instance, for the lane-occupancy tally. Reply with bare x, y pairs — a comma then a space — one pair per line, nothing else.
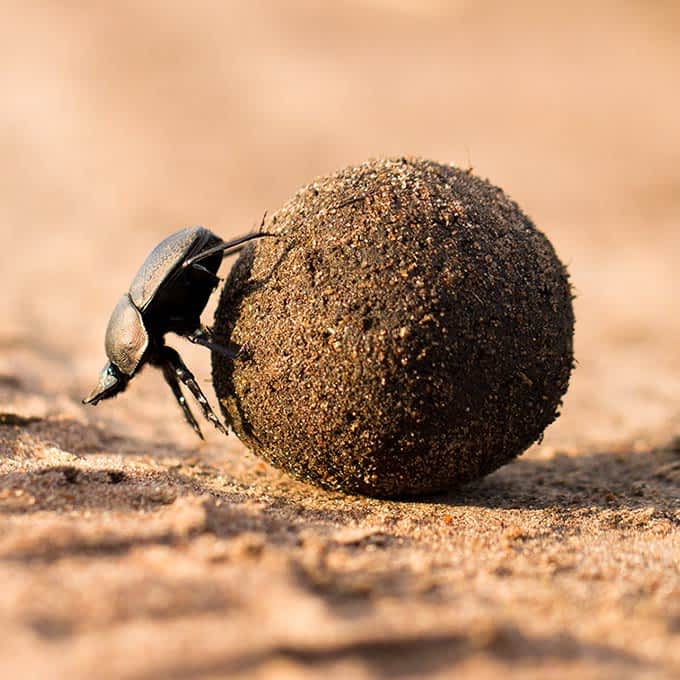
129, 549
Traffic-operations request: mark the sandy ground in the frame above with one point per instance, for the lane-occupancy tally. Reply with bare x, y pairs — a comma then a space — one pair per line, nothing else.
128, 549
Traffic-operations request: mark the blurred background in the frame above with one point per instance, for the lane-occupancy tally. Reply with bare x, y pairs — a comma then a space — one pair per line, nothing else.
122, 122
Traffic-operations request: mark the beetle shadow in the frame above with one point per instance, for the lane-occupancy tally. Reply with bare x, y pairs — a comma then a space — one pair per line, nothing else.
247, 259
243, 269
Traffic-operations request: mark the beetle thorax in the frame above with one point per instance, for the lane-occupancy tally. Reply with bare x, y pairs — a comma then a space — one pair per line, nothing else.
126, 337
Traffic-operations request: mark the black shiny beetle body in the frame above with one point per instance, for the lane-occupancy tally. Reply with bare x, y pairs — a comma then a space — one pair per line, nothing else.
168, 294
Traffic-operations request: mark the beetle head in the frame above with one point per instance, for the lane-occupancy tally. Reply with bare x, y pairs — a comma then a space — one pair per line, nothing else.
111, 382
126, 342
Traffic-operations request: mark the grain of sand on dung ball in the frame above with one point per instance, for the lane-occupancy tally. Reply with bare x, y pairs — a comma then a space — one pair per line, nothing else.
409, 330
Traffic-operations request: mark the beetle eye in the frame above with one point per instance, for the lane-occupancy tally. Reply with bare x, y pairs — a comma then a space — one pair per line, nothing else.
108, 372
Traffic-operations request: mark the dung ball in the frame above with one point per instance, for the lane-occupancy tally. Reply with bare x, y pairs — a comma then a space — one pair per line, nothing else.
407, 329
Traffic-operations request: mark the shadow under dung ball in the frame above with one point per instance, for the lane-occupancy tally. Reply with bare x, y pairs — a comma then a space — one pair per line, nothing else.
408, 330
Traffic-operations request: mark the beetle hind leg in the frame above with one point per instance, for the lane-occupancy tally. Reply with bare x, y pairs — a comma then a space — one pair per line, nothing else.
172, 363
203, 336
226, 247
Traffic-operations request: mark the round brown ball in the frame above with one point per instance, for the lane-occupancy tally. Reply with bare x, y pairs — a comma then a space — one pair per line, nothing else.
407, 330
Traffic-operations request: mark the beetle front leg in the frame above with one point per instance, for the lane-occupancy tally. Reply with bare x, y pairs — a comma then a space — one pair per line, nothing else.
170, 375
170, 358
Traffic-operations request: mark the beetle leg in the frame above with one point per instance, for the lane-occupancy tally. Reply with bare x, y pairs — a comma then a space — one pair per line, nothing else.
226, 248
214, 279
170, 376
170, 358
204, 337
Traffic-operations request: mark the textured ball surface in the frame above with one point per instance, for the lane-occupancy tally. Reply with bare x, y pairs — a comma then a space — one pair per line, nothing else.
409, 329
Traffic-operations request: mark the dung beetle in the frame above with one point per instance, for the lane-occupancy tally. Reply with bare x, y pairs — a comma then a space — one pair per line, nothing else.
168, 294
